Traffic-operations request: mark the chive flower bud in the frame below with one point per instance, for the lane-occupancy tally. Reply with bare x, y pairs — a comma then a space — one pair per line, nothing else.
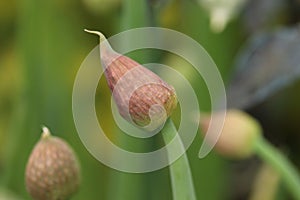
52, 171
239, 133
141, 96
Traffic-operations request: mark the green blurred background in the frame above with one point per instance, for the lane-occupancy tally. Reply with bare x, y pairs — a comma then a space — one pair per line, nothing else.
43, 46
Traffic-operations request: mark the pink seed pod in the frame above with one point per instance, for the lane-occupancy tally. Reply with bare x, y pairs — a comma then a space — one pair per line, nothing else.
52, 171
141, 96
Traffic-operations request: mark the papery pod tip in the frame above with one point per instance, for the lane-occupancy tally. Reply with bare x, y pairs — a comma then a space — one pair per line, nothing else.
101, 36
46, 133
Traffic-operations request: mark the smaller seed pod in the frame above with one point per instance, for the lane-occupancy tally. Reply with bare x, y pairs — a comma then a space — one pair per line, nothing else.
239, 133
52, 171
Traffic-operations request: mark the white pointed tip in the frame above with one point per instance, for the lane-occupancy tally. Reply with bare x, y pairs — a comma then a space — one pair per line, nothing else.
102, 37
94, 32
46, 133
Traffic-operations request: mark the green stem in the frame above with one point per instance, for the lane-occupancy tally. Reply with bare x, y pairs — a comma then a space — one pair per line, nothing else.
180, 172
134, 14
277, 160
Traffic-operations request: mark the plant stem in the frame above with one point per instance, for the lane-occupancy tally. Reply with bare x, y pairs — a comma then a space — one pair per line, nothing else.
280, 163
180, 172
134, 14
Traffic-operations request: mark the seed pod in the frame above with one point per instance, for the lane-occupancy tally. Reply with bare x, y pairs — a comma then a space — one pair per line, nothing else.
238, 136
141, 96
52, 171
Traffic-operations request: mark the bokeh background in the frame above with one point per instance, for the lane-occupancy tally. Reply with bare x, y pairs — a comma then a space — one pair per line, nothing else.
42, 45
